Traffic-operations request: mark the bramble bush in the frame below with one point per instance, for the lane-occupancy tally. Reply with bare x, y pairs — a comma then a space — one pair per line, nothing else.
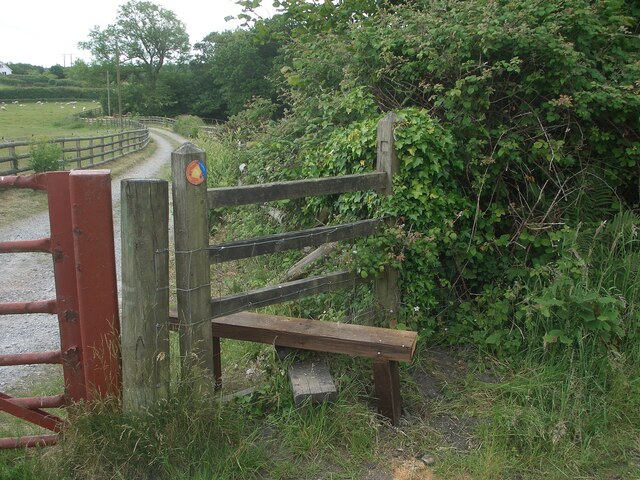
188, 125
518, 128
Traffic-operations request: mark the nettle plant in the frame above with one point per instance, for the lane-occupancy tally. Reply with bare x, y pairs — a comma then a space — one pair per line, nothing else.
46, 156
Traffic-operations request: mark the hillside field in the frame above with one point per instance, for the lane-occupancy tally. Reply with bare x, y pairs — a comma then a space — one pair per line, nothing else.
50, 120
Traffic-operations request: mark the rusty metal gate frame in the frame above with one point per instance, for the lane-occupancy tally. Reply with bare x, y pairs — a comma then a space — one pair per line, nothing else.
82, 247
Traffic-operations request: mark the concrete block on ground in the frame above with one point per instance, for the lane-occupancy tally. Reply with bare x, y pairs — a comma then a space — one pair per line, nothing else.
312, 379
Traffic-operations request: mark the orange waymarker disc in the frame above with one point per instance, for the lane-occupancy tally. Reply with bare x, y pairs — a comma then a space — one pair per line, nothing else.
196, 172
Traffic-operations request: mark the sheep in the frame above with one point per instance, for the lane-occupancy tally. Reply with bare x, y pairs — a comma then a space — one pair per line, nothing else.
2, 107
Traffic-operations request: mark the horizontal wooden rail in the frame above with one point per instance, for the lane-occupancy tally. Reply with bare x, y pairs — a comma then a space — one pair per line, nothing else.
283, 292
281, 242
345, 338
157, 120
269, 192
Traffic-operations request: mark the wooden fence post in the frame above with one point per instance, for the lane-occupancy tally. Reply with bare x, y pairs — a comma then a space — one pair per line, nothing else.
91, 151
145, 293
191, 230
387, 292
78, 154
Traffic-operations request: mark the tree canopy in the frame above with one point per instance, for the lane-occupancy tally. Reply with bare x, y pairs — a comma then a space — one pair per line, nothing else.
144, 34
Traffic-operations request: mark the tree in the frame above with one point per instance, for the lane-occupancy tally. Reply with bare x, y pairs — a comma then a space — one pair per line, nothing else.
57, 70
238, 64
145, 35
150, 36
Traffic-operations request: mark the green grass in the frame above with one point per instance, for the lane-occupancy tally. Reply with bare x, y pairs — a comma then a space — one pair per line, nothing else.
50, 120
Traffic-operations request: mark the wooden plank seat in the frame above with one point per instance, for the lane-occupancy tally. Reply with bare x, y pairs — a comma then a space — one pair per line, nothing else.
385, 346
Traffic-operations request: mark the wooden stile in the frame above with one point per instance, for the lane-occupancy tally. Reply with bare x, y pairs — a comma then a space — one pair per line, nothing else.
224, 317
381, 344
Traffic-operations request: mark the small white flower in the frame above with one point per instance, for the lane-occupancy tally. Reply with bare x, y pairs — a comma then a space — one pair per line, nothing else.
416, 309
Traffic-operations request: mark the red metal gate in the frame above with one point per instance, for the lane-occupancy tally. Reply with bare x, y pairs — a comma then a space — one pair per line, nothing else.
86, 303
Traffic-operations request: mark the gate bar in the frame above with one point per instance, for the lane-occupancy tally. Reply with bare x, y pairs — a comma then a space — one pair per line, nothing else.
53, 357
33, 415
30, 441
37, 181
21, 246
40, 306
52, 401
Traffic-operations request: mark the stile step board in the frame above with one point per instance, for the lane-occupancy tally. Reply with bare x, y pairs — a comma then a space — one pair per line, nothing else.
236, 395
312, 380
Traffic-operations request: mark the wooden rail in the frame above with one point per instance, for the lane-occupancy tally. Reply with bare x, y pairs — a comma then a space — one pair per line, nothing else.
283, 292
281, 242
269, 192
80, 152
165, 122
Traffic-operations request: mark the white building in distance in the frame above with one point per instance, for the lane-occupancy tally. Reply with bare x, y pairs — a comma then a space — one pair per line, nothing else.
4, 69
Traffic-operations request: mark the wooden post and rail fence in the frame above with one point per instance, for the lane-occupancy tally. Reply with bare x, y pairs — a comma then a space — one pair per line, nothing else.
202, 319
80, 152
166, 122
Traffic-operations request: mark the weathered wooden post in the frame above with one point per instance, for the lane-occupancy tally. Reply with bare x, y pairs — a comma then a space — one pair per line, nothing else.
145, 292
14, 159
387, 293
120, 143
191, 229
91, 150
386, 373
78, 154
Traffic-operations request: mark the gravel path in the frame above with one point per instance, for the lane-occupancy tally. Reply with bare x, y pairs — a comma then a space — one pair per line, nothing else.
29, 276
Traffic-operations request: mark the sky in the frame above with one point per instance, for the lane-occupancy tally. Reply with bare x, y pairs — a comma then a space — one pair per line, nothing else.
47, 32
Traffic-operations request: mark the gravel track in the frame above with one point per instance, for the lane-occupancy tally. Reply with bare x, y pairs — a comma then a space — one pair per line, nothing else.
29, 276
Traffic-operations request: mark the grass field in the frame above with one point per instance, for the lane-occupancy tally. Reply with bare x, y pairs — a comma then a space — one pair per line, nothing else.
48, 120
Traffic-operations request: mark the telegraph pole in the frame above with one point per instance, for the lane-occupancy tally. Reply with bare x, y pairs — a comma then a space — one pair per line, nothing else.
108, 95
118, 83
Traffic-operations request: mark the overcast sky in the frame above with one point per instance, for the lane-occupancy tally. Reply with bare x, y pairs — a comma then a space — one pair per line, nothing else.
47, 32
